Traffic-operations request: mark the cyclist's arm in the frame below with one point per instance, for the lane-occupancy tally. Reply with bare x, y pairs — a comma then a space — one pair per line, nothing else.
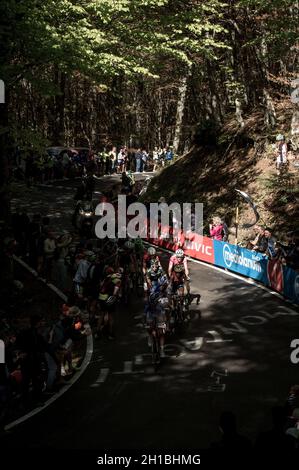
170, 266
116, 289
186, 267
144, 267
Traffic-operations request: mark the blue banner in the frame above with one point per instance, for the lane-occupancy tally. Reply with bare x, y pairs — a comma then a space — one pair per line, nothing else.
242, 261
257, 266
291, 284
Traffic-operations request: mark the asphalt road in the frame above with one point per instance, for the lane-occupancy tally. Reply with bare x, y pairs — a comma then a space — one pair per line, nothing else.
233, 355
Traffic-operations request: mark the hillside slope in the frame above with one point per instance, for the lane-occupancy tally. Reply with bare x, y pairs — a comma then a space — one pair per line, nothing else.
235, 160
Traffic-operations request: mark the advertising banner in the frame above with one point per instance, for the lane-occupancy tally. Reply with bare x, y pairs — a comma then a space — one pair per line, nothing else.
194, 245
242, 261
269, 272
291, 284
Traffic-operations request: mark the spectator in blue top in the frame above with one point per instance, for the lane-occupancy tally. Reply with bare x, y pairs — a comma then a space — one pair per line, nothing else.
169, 154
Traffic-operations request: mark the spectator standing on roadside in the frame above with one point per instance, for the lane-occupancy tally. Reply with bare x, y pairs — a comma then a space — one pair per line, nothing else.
49, 252
145, 158
271, 241
259, 243
139, 162
66, 162
216, 229
169, 155
113, 161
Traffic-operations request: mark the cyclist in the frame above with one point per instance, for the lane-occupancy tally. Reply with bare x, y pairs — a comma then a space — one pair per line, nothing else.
155, 278
109, 290
139, 248
149, 258
155, 320
179, 259
128, 261
127, 257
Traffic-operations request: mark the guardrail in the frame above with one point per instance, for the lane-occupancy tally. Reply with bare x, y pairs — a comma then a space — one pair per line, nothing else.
269, 272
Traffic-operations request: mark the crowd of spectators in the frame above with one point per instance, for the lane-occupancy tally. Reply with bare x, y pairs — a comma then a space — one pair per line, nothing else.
265, 242
58, 163
281, 440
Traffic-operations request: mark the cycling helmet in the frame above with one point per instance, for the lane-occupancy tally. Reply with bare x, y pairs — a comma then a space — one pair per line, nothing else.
116, 276
179, 253
129, 245
111, 300
151, 251
178, 268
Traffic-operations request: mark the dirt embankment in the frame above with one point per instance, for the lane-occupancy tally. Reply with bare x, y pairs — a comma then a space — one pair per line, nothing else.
230, 159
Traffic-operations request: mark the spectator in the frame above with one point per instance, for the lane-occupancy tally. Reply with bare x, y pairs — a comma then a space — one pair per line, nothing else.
294, 429
271, 242
145, 158
61, 252
139, 162
20, 225
66, 163
276, 441
49, 251
216, 229
232, 442
169, 155
32, 348
260, 242
112, 161
290, 253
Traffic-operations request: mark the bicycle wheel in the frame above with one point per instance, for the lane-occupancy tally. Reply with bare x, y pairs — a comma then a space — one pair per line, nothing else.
139, 284
155, 349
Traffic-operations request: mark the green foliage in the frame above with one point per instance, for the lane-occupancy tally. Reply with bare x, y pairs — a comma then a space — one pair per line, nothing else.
274, 22
106, 38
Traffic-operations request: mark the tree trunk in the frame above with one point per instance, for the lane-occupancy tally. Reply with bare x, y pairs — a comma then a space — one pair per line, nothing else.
180, 111
270, 115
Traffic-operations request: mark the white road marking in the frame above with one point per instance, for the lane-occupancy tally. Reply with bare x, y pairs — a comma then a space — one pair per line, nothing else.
138, 360
216, 337
128, 368
219, 374
193, 345
231, 274
101, 378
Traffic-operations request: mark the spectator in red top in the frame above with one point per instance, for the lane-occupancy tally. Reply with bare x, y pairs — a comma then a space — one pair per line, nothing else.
216, 229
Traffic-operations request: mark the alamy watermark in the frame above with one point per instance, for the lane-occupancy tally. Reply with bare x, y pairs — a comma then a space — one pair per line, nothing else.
2, 92
295, 354
2, 352
138, 221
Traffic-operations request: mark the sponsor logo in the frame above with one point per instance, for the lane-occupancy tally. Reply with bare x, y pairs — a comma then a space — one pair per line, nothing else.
239, 259
199, 248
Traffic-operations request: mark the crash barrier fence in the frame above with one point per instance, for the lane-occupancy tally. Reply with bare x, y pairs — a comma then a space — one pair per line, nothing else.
269, 272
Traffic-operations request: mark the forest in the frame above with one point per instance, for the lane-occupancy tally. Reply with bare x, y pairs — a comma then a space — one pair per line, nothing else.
147, 72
